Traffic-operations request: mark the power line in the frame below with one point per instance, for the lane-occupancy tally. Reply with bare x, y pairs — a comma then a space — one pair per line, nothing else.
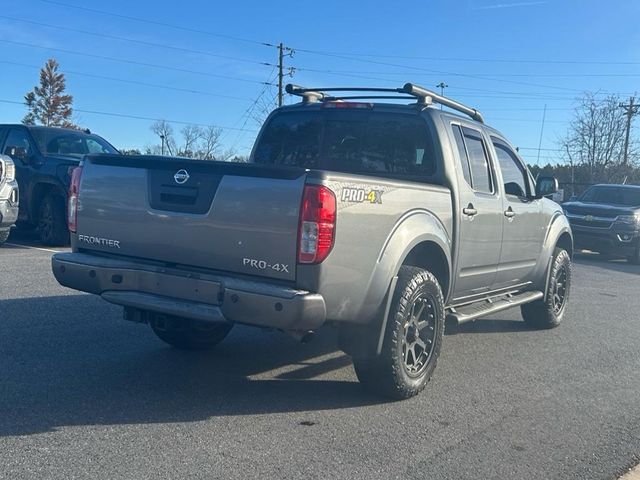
133, 82
227, 57
257, 42
479, 60
132, 40
542, 149
140, 117
490, 74
131, 62
522, 95
457, 74
254, 103
249, 112
155, 22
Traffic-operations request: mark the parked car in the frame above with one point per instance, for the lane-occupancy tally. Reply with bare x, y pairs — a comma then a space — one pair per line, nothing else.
380, 219
606, 219
8, 197
43, 157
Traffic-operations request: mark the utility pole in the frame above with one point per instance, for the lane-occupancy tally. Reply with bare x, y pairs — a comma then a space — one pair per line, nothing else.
280, 61
544, 114
282, 51
442, 86
162, 139
630, 109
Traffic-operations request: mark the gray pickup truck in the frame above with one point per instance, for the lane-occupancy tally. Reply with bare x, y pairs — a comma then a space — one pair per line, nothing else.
381, 219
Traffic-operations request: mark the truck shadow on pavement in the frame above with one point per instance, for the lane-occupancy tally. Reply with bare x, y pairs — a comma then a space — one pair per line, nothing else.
71, 361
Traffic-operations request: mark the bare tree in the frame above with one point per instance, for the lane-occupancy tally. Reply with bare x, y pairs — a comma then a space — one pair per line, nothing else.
196, 142
595, 137
164, 131
210, 144
191, 135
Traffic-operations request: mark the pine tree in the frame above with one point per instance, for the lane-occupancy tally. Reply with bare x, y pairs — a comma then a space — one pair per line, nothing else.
47, 103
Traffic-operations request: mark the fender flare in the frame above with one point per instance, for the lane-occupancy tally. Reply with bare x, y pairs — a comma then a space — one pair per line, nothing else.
558, 226
413, 228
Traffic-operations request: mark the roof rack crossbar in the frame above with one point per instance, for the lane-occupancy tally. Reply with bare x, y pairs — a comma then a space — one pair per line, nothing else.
424, 96
418, 91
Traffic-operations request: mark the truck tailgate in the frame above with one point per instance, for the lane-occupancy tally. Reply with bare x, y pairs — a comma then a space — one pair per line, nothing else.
232, 217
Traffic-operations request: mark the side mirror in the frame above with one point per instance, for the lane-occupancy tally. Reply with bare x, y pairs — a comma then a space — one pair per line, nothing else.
546, 186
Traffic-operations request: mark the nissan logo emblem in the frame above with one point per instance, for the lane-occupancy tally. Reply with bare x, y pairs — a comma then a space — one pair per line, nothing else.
181, 176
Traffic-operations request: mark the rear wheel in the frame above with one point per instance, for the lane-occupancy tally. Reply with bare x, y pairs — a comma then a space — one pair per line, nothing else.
4, 235
412, 338
549, 312
186, 334
52, 222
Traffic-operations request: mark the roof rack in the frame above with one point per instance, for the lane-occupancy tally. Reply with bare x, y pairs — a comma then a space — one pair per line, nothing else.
423, 96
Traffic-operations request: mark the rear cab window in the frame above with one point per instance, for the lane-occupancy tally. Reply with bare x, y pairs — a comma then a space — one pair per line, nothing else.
59, 141
394, 145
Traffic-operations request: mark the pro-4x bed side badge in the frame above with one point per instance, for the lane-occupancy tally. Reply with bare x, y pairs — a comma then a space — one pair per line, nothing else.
361, 195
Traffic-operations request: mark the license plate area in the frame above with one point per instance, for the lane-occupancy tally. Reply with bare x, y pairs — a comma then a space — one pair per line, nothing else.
184, 288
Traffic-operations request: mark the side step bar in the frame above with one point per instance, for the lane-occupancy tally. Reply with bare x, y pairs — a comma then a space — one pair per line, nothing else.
492, 305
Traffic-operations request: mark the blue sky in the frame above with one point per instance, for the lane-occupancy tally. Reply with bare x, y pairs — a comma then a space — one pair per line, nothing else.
508, 58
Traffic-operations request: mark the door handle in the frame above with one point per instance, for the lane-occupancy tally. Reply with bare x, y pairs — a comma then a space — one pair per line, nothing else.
469, 210
509, 213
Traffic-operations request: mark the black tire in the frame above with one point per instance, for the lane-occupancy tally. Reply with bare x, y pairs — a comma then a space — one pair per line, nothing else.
412, 338
549, 312
4, 235
635, 258
52, 222
185, 334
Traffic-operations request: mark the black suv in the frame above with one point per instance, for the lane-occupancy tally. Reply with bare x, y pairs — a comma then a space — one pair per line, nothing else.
606, 219
44, 157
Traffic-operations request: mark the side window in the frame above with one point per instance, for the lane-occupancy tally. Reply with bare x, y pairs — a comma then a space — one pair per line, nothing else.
462, 154
478, 161
514, 174
18, 146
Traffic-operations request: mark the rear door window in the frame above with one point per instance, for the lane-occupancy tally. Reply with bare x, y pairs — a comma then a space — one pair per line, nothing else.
462, 154
388, 144
478, 161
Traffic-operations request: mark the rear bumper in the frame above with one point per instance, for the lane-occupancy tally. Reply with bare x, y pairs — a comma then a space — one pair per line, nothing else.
189, 294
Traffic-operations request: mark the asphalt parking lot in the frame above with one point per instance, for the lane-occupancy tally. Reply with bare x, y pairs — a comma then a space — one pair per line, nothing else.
84, 394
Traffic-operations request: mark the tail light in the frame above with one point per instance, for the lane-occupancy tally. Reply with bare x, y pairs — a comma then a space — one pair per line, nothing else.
74, 190
317, 224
